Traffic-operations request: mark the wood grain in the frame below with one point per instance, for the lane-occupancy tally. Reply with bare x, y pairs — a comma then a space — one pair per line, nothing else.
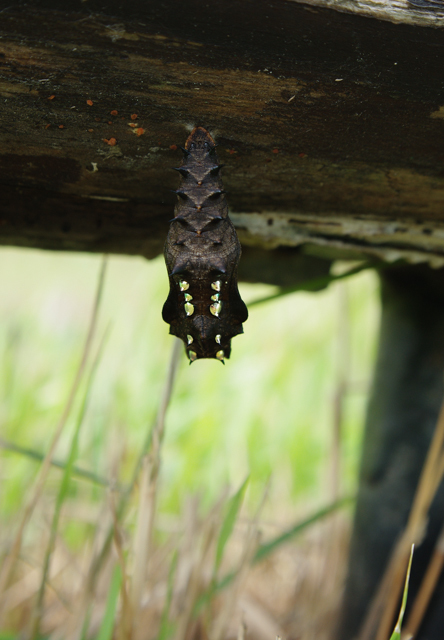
316, 112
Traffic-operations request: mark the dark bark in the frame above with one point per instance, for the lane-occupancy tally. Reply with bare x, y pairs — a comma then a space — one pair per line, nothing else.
316, 112
404, 405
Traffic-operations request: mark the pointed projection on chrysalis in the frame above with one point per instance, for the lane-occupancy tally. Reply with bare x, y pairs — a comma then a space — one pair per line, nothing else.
202, 253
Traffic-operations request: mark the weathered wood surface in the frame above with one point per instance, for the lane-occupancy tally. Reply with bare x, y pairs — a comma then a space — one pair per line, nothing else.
330, 124
404, 406
425, 13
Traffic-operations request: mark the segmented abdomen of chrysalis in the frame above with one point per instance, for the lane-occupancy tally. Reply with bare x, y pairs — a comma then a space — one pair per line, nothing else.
202, 253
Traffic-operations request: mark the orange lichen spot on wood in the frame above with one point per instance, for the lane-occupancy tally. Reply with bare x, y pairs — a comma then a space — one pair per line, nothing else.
51, 97
173, 147
132, 125
275, 151
139, 131
114, 112
97, 119
90, 130
109, 122
61, 126
134, 116
47, 126
112, 142
231, 151
89, 103
302, 155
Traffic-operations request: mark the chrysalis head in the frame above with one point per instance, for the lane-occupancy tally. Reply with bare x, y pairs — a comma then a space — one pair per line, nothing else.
200, 140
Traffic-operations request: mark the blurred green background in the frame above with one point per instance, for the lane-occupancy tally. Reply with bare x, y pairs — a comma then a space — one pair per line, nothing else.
269, 412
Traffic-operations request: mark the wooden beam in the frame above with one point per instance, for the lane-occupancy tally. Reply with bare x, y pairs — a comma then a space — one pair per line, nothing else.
329, 115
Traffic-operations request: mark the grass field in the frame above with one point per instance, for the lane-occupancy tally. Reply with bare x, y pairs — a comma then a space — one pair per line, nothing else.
286, 412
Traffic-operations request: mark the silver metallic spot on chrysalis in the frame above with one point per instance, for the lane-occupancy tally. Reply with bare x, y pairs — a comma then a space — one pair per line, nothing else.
184, 285
215, 298
216, 285
189, 308
189, 339
216, 308
218, 338
192, 355
188, 297
220, 355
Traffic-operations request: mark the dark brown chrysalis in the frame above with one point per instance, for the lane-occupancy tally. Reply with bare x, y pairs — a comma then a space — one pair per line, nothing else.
202, 252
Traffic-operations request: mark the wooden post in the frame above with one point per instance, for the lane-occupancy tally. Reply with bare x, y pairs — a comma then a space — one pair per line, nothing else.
407, 394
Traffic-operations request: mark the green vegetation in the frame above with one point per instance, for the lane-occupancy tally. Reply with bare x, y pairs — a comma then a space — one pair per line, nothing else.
268, 414
396, 635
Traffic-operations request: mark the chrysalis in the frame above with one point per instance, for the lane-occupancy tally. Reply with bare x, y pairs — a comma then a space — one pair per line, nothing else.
202, 253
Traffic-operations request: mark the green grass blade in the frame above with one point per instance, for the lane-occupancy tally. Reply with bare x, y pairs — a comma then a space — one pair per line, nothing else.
86, 621
231, 512
267, 548
33, 454
273, 545
315, 283
396, 635
226, 530
107, 626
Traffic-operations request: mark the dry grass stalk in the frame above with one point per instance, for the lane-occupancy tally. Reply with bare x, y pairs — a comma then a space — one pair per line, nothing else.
155, 436
158, 431
268, 595
223, 620
426, 590
25, 588
148, 491
242, 630
145, 514
262, 623
384, 606
125, 626
33, 498
341, 390
196, 583
84, 594
61, 497
149, 585
340, 396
